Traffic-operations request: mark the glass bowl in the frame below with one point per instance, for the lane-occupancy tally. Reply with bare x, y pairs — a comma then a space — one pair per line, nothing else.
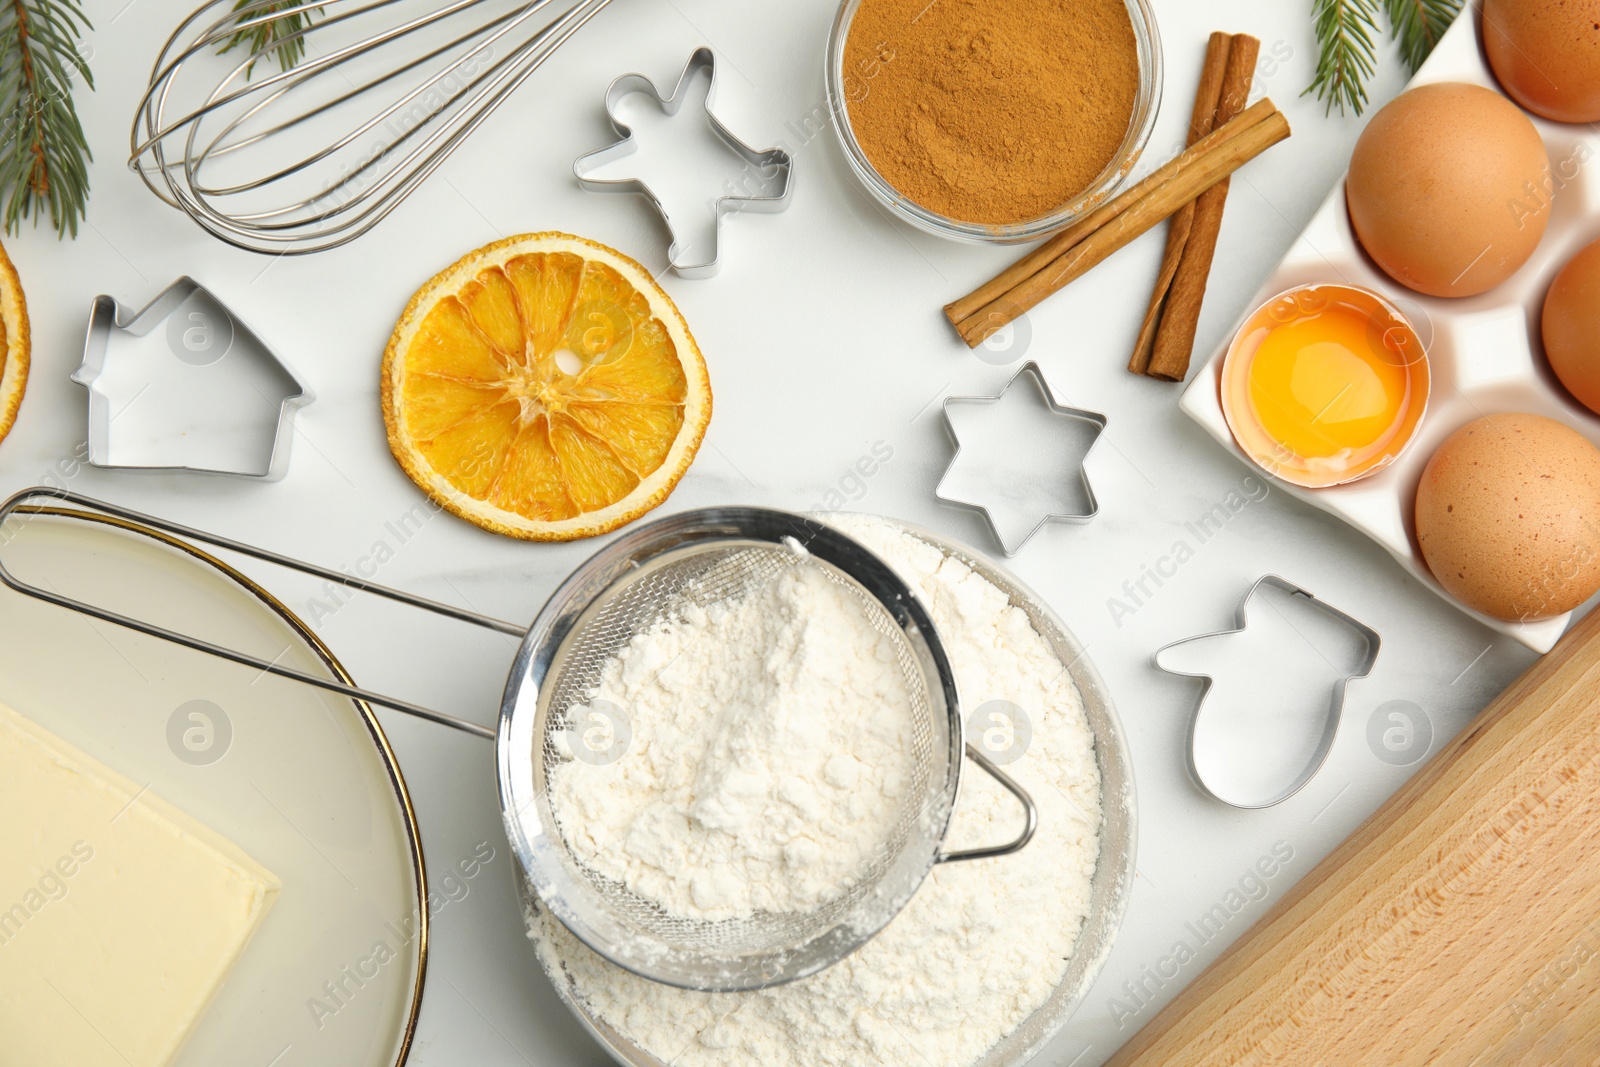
1146, 103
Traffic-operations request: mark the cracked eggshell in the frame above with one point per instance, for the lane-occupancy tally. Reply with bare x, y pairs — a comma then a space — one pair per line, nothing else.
1449, 189
1508, 516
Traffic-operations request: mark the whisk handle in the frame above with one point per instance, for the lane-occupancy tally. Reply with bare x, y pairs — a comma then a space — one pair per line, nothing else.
1011, 786
25, 503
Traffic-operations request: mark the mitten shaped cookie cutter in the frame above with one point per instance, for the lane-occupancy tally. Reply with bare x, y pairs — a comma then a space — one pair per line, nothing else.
1371, 642
196, 383
774, 166
1092, 422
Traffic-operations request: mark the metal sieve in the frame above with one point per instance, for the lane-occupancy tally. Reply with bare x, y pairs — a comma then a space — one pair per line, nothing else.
1110, 889
652, 573
655, 573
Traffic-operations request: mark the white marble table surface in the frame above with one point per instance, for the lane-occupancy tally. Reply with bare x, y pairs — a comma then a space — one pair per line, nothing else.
824, 340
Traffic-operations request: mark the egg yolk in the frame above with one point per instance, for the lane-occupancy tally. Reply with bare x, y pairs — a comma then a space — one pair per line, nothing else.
1326, 385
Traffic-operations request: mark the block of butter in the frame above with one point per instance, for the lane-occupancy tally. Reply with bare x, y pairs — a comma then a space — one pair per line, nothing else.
120, 915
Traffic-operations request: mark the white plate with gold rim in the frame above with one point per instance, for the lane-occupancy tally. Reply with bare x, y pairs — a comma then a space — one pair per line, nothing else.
303, 780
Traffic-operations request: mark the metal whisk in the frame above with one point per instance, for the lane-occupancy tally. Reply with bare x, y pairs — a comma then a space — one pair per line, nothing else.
310, 158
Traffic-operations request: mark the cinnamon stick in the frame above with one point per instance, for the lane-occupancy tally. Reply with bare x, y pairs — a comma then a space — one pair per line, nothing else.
1052, 249
1174, 342
1176, 183
1201, 122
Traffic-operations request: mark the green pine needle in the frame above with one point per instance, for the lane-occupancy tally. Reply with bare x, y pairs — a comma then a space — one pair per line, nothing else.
1418, 25
283, 37
1346, 35
1347, 56
44, 159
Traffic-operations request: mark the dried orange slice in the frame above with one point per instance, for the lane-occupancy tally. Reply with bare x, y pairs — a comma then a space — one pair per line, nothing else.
15, 343
545, 387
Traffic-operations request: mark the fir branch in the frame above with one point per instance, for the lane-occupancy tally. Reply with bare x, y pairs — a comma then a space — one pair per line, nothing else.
44, 158
1418, 25
1346, 54
282, 35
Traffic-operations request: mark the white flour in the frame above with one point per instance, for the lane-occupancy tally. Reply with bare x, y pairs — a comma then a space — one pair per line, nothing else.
980, 945
770, 745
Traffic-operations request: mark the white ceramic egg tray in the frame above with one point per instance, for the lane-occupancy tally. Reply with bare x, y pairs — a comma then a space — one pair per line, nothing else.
1484, 351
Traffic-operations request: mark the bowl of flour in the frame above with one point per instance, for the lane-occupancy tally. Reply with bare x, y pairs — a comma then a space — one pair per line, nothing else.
988, 958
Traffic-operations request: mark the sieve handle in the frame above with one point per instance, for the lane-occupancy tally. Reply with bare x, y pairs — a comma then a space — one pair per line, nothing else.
1015, 790
19, 504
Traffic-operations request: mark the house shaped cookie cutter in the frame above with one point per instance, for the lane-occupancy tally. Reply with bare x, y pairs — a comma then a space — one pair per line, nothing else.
774, 165
202, 380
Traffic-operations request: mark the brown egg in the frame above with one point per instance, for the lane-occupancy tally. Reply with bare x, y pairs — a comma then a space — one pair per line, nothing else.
1449, 189
1546, 54
1508, 516
1571, 326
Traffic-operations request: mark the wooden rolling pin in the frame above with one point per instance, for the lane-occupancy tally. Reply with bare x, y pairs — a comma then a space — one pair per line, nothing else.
1459, 925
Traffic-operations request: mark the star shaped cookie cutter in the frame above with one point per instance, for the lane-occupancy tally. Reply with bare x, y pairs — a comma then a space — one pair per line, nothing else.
1373, 642
1096, 423
773, 165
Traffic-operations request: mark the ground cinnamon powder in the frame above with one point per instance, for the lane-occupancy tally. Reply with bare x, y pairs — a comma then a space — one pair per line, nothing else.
990, 111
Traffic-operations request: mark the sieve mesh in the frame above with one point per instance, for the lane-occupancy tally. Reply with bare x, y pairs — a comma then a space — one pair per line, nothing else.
702, 575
